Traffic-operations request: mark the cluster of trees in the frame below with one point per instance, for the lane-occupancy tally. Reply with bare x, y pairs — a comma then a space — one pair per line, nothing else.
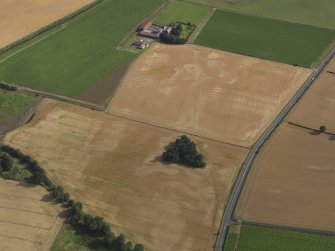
183, 151
7, 169
7, 87
174, 36
95, 226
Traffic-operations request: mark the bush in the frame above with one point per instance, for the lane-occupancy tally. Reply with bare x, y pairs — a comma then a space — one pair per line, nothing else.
7, 87
184, 151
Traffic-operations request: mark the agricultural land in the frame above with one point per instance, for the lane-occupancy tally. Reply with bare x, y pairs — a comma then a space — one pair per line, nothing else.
28, 221
291, 181
259, 37
255, 238
230, 98
81, 59
183, 12
113, 166
21, 19
308, 12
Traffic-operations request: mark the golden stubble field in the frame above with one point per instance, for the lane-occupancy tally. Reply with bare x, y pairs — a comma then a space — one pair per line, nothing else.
206, 92
318, 105
28, 222
112, 165
291, 183
19, 18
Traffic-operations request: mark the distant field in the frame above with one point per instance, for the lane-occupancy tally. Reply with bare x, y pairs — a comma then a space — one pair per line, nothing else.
12, 105
310, 12
267, 39
183, 12
31, 15
82, 54
254, 238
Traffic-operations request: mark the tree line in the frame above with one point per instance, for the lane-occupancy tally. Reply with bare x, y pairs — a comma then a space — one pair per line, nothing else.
183, 151
93, 225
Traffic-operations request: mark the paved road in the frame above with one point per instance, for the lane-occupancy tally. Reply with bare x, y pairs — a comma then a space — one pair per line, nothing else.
232, 201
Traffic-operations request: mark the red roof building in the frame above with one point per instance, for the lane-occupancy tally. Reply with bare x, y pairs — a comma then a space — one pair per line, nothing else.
145, 26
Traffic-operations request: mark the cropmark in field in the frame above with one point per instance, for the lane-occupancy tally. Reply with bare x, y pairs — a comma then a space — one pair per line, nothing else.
113, 166
27, 222
268, 39
80, 60
214, 94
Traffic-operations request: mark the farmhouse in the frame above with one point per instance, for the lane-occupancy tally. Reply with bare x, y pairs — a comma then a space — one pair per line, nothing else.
150, 30
141, 44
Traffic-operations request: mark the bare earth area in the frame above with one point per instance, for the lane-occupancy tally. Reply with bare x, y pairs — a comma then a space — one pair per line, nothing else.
292, 181
22, 17
113, 165
206, 92
318, 105
27, 222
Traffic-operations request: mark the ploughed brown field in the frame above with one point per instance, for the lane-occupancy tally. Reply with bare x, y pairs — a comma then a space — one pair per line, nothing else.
113, 165
210, 93
28, 222
291, 182
19, 18
318, 105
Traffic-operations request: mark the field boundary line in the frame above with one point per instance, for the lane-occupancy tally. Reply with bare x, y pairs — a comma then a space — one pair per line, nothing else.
26, 225
32, 44
201, 25
155, 14
175, 130
49, 26
17, 238
259, 16
28, 211
310, 128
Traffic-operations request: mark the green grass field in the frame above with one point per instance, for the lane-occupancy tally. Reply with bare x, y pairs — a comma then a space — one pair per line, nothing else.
68, 240
81, 54
183, 12
12, 105
310, 12
254, 238
267, 39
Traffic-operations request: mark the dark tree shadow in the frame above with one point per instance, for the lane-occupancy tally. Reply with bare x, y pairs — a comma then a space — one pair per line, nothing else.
332, 137
64, 214
315, 133
26, 185
47, 198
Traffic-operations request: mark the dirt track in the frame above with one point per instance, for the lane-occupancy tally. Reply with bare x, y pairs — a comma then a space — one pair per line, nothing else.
22, 17
318, 105
292, 181
210, 93
27, 222
112, 165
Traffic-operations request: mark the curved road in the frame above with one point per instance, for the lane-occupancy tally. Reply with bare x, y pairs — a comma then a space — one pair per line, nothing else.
227, 219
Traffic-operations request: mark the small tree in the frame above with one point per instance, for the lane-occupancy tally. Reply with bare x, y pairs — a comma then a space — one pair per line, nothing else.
323, 128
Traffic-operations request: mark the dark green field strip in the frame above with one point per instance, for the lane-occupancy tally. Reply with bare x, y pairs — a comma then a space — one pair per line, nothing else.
81, 54
257, 238
266, 39
309, 12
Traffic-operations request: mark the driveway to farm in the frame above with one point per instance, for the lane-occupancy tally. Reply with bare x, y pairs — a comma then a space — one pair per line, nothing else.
227, 219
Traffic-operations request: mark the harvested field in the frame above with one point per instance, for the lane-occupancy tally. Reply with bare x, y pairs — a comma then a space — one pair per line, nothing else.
318, 105
292, 181
215, 94
112, 165
28, 222
20, 18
